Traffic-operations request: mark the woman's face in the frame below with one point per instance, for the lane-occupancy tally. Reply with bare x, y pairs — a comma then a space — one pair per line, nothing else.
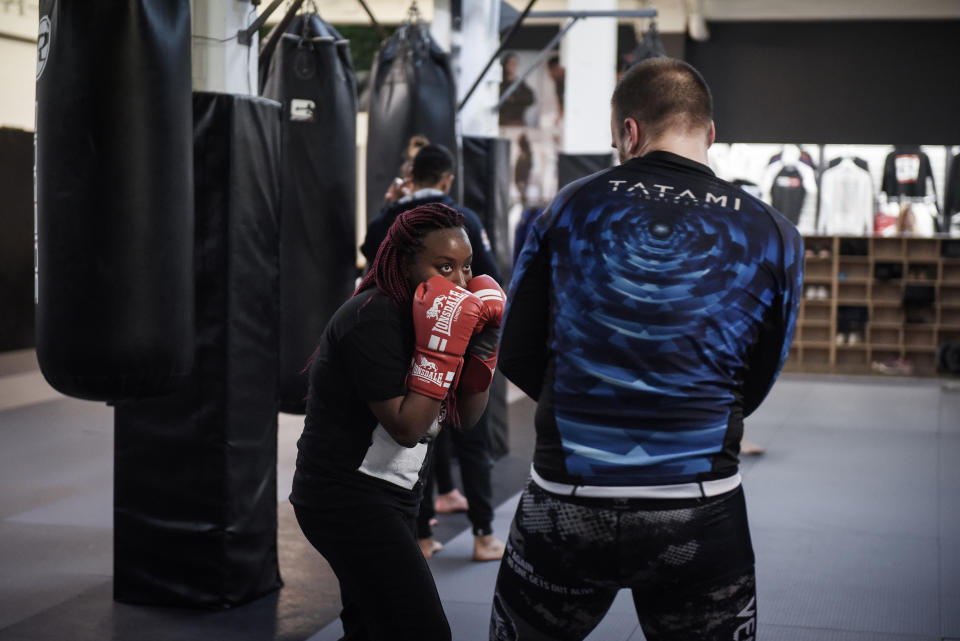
447, 253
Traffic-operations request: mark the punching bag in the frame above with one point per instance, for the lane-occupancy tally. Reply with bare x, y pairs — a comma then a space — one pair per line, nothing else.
195, 471
412, 92
311, 73
114, 210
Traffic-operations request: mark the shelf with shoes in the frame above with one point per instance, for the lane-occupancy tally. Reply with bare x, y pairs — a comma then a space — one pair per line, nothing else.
950, 271
877, 304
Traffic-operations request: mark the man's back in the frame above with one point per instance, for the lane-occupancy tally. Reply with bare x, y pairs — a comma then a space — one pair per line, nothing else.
672, 296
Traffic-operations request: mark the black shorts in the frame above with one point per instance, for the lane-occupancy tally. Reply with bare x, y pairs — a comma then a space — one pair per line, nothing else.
688, 562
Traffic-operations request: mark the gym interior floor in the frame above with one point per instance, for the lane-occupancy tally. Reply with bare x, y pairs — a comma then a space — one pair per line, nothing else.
854, 510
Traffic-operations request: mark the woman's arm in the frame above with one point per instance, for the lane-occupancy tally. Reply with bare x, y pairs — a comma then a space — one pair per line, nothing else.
470, 406
407, 419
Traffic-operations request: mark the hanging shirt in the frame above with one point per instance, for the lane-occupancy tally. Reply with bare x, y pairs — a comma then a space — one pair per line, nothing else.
951, 204
906, 172
846, 200
792, 190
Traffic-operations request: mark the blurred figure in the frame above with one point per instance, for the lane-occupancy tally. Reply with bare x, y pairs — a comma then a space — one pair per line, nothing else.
512, 110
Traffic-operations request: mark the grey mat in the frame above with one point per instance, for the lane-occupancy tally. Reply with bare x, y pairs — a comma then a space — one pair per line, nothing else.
855, 514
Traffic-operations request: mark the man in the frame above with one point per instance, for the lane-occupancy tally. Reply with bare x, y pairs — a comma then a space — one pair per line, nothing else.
431, 178
512, 110
650, 311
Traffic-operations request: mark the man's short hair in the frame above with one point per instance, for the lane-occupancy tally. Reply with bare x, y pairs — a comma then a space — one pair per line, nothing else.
663, 93
431, 164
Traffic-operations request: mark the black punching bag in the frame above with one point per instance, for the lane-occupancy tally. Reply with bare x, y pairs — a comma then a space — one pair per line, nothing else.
114, 216
311, 73
412, 91
195, 471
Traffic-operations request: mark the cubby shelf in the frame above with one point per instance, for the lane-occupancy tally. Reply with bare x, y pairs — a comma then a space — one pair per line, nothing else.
866, 279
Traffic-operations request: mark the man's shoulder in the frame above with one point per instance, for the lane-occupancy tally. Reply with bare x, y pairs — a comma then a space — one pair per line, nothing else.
469, 214
586, 184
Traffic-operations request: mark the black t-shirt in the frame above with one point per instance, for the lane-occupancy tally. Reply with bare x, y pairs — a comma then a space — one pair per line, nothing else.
787, 194
906, 171
511, 111
345, 455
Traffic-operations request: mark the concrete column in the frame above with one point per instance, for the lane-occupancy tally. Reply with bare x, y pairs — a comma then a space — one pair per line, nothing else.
220, 63
589, 55
479, 38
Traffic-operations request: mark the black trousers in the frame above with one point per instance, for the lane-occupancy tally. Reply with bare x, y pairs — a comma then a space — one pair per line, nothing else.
386, 587
688, 562
472, 447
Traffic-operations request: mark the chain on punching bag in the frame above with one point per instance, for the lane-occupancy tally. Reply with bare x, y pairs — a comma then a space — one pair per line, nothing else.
114, 210
311, 73
412, 91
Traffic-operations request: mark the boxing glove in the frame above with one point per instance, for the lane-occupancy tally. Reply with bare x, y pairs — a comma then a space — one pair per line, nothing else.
480, 361
444, 318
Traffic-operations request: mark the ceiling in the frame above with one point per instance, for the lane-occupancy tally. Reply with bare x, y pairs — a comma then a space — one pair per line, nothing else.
674, 15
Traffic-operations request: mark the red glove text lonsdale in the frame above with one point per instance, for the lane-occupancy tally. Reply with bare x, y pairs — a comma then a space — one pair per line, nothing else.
481, 357
444, 318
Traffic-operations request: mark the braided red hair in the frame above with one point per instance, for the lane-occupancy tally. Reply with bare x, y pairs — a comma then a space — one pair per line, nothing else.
404, 241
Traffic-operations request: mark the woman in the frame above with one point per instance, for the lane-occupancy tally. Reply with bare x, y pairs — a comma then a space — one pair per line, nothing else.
379, 390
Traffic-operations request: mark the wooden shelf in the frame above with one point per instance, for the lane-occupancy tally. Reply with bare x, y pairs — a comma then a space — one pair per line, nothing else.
851, 282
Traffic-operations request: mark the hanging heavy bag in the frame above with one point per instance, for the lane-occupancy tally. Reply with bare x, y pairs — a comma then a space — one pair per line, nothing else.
310, 72
412, 92
114, 211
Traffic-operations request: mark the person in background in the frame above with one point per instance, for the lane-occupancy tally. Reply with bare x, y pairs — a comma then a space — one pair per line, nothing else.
431, 179
651, 310
523, 166
513, 108
402, 184
557, 75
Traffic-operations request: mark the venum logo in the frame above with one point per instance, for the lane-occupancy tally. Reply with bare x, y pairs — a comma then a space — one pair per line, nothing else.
44, 36
748, 629
449, 310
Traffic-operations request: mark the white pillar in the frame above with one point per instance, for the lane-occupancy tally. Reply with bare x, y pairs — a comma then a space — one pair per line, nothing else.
589, 55
441, 28
220, 63
479, 38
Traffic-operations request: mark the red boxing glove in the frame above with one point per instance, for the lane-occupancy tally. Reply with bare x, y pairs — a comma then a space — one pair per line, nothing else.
481, 358
444, 318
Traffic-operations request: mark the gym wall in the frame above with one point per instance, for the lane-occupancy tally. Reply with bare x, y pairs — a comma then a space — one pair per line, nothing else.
856, 82
16, 240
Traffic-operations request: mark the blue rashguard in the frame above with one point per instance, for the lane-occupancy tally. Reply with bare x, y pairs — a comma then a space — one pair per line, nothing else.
651, 310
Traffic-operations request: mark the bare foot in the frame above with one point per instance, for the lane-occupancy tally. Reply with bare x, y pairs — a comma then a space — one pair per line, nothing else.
429, 547
487, 548
749, 448
451, 502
